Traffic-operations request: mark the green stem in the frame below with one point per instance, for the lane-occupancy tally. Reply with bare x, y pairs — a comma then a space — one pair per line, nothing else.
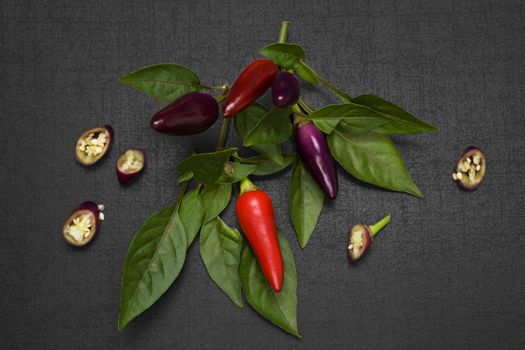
223, 133
181, 195
247, 185
220, 88
297, 111
338, 92
283, 33
308, 109
374, 229
220, 98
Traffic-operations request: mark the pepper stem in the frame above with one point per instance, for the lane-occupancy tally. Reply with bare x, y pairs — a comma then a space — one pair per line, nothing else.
247, 185
374, 229
335, 90
283, 33
182, 191
223, 133
307, 108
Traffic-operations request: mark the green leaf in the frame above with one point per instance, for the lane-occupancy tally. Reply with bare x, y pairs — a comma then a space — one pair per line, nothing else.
206, 167
164, 82
215, 198
284, 55
246, 120
372, 158
306, 202
307, 73
229, 232
330, 116
154, 260
185, 177
266, 166
235, 172
400, 121
273, 127
221, 256
326, 125
280, 308
355, 117
191, 212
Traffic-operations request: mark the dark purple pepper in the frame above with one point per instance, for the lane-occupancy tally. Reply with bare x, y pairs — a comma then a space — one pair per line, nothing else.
93, 144
130, 164
189, 114
285, 89
360, 238
313, 149
83, 223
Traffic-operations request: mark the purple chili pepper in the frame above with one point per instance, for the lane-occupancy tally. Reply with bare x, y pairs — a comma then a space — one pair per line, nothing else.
313, 149
189, 114
285, 89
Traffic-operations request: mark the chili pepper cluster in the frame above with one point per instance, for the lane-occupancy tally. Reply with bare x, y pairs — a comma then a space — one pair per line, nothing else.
259, 264
196, 111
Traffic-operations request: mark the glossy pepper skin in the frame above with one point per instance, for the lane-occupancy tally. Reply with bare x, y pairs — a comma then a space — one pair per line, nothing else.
255, 214
252, 83
314, 151
189, 114
286, 89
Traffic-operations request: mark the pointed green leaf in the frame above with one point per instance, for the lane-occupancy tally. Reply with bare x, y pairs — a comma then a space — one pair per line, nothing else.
215, 198
191, 212
306, 202
221, 256
284, 55
273, 127
164, 82
246, 120
154, 260
382, 118
400, 121
372, 158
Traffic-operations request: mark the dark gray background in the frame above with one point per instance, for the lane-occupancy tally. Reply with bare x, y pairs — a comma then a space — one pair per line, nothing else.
447, 273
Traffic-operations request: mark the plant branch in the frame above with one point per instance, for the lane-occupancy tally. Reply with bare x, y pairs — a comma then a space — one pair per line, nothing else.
223, 133
308, 109
283, 33
374, 229
335, 90
182, 191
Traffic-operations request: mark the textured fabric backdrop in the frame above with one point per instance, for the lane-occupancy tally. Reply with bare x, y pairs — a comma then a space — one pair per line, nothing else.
447, 273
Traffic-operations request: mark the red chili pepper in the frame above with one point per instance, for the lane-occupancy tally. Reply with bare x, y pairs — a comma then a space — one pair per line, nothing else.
252, 83
255, 213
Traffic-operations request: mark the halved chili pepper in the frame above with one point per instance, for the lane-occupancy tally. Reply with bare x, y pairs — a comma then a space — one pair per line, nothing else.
252, 83
361, 236
255, 214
